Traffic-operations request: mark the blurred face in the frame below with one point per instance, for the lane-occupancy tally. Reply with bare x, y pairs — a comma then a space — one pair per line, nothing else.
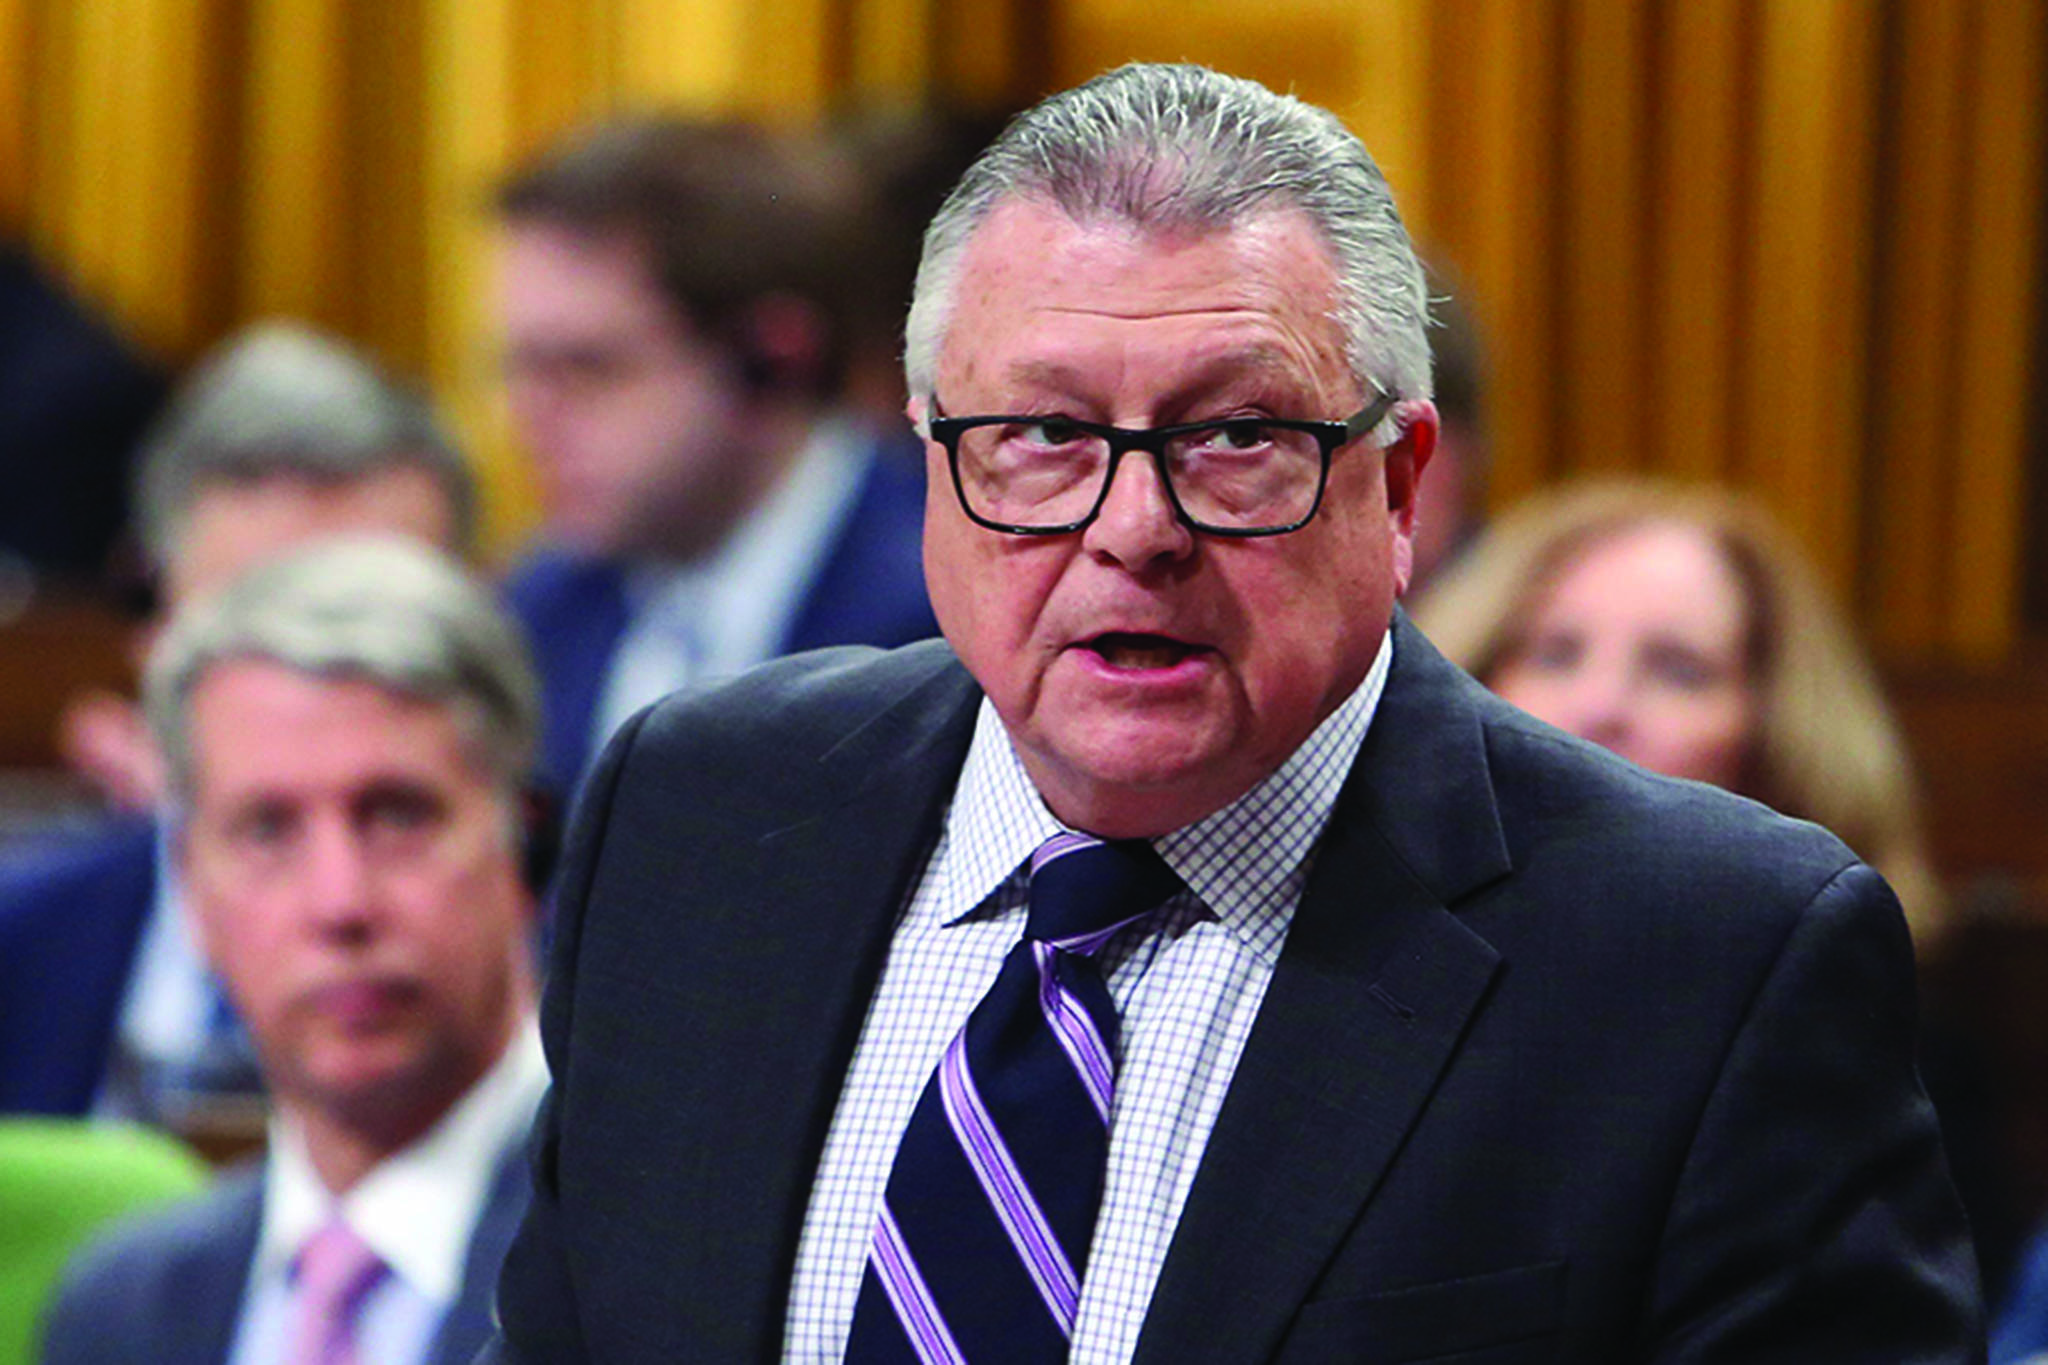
1640, 645
233, 525
634, 421
355, 879
1149, 674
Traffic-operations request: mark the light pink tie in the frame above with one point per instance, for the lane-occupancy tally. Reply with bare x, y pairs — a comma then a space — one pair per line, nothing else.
336, 1270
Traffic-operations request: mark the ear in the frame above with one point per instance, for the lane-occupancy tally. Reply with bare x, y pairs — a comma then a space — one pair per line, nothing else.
1404, 462
782, 342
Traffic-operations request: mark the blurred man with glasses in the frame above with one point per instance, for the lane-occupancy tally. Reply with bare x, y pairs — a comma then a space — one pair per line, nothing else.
1182, 962
677, 302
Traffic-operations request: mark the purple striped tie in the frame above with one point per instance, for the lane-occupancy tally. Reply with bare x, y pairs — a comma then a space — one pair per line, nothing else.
983, 1237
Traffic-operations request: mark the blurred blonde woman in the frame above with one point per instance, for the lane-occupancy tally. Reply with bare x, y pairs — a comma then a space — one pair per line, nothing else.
1681, 628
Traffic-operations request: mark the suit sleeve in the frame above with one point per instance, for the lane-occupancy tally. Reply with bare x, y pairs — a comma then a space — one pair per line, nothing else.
1814, 1218
539, 1322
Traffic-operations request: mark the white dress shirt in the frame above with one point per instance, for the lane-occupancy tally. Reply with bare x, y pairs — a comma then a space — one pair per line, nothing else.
1187, 987
417, 1211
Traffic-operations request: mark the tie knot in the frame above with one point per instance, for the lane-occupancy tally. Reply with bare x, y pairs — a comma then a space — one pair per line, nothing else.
336, 1267
1084, 889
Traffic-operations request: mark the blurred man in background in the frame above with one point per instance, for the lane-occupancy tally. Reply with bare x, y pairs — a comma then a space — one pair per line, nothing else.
347, 732
674, 300
280, 436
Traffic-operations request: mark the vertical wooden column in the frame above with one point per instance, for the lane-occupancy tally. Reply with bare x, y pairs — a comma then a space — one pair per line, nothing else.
17, 108
562, 68
687, 53
1696, 249
390, 303
1910, 472
1511, 251
1391, 109
1986, 431
295, 178
1602, 425
467, 44
891, 48
789, 56
1807, 310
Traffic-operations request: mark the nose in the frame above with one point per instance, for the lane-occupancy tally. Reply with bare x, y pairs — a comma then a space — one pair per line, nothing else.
1601, 708
337, 882
1137, 525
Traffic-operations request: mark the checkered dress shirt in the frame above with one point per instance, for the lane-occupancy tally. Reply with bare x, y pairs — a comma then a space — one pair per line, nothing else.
1187, 987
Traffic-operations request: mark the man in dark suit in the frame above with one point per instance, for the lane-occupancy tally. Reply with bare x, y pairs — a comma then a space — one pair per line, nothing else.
347, 732
1452, 1038
676, 299
278, 437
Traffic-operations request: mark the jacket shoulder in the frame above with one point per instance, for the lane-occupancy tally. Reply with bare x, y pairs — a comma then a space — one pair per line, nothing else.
184, 1262
1562, 798
116, 860
802, 702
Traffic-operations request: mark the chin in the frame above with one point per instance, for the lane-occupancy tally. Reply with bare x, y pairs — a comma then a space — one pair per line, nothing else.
1142, 787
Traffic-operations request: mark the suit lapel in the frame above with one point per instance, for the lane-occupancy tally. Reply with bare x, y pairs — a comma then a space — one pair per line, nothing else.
469, 1320
1374, 989
838, 876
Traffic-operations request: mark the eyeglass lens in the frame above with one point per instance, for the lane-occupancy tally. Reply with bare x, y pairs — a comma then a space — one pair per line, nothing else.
1238, 475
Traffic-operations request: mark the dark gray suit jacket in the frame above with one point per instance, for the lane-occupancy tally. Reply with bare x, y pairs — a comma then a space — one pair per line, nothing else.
166, 1288
1561, 1062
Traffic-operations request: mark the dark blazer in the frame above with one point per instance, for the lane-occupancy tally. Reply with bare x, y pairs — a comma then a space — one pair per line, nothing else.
1561, 1061
869, 590
71, 918
166, 1288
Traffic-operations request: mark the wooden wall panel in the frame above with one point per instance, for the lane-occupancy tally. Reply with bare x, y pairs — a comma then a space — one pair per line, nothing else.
17, 63
1984, 439
1311, 48
1787, 242
1806, 313
1389, 105
1696, 248
468, 46
1510, 249
891, 56
687, 53
294, 159
561, 69
791, 61
390, 296
1606, 47
1918, 207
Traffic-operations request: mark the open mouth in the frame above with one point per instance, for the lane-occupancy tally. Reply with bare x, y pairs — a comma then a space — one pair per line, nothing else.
1120, 649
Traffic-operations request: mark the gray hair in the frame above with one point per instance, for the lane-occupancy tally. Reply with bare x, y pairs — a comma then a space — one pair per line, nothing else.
376, 609
1180, 147
279, 398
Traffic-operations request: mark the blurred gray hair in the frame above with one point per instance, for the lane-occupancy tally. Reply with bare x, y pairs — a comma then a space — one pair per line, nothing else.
375, 609
1175, 148
279, 398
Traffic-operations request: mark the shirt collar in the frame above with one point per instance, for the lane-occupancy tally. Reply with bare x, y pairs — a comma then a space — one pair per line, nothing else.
1245, 863
418, 1208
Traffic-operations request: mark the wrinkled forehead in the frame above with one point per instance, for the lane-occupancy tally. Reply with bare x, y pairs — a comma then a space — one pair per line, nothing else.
1045, 299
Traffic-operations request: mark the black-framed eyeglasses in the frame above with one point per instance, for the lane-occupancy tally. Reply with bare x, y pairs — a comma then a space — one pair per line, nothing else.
1235, 476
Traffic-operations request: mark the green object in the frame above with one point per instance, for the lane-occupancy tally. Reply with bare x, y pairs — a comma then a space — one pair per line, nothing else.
60, 1180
